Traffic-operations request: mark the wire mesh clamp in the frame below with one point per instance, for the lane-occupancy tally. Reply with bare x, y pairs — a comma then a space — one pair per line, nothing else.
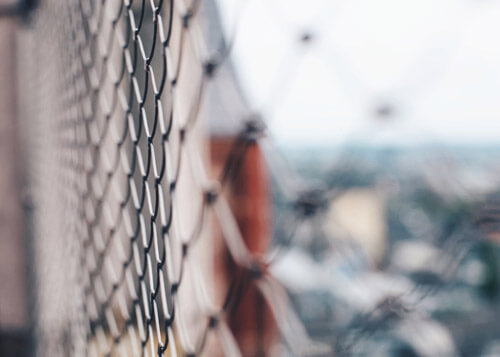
20, 8
254, 128
306, 37
212, 194
310, 202
213, 321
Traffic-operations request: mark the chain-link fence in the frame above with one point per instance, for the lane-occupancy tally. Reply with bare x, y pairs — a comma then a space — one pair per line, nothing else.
121, 187
166, 222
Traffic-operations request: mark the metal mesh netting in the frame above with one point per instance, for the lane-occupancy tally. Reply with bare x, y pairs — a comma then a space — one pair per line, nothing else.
148, 171
120, 184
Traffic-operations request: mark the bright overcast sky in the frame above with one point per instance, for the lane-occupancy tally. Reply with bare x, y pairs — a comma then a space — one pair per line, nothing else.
435, 62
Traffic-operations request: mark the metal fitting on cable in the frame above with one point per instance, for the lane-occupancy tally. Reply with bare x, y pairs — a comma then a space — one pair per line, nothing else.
254, 128
310, 202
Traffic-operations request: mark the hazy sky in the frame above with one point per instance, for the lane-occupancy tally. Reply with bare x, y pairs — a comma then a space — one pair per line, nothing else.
436, 63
